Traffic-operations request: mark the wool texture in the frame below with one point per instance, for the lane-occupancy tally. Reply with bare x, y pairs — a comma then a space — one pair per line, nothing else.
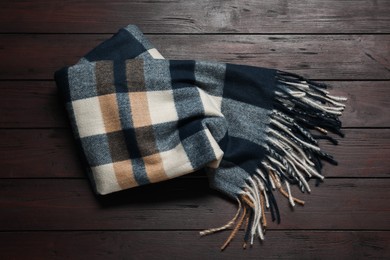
139, 118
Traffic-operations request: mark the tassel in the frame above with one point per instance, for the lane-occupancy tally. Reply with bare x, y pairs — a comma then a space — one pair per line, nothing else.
292, 152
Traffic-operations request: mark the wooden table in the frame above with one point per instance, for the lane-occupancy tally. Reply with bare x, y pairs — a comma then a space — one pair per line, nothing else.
47, 209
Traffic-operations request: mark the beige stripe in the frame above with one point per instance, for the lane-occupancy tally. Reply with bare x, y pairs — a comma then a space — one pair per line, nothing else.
141, 118
139, 109
154, 168
124, 174
110, 113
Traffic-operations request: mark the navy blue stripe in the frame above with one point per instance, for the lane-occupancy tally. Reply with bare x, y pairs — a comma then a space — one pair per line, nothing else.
183, 76
182, 73
131, 143
191, 114
122, 46
139, 171
189, 126
251, 85
120, 77
242, 152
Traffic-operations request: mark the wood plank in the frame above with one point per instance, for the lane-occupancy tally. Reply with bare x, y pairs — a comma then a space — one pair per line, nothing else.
29, 104
36, 104
368, 104
229, 16
362, 153
338, 204
51, 153
39, 153
356, 57
176, 244
48, 209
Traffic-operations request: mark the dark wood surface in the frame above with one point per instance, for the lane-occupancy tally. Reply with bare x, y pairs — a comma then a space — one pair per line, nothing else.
364, 57
47, 207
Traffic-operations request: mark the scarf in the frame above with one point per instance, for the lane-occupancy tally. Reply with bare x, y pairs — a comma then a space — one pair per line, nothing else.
139, 118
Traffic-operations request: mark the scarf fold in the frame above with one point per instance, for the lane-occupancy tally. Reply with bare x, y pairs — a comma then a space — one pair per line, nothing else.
140, 119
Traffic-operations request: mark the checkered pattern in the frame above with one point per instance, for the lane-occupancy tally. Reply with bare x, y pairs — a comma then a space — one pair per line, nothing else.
133, 120
140, 119
131, 136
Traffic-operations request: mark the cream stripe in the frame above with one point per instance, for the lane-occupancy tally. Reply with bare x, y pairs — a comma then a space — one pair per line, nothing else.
155, 54
162, 106
88, 117
105, 179
176, 162
211, 104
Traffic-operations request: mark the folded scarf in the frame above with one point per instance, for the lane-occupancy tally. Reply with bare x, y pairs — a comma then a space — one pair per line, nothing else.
140, 119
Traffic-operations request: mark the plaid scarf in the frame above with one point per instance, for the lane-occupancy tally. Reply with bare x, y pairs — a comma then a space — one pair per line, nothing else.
140, 119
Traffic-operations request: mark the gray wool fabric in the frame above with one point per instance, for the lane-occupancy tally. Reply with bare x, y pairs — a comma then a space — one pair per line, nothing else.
139, 118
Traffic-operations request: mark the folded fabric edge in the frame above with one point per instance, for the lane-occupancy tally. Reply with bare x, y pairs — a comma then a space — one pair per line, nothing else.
293, 155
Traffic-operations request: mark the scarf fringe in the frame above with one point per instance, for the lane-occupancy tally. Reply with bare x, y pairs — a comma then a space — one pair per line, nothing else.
292, 153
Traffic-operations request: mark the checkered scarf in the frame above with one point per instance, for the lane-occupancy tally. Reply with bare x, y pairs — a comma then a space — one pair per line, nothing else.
140, 119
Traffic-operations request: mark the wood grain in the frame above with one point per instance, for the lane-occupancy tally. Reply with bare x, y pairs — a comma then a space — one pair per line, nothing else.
38, 154
40, 106
179, 204
174, 245
48, 209
368, 104
355, 57
203, 16
51, 153
31, 104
